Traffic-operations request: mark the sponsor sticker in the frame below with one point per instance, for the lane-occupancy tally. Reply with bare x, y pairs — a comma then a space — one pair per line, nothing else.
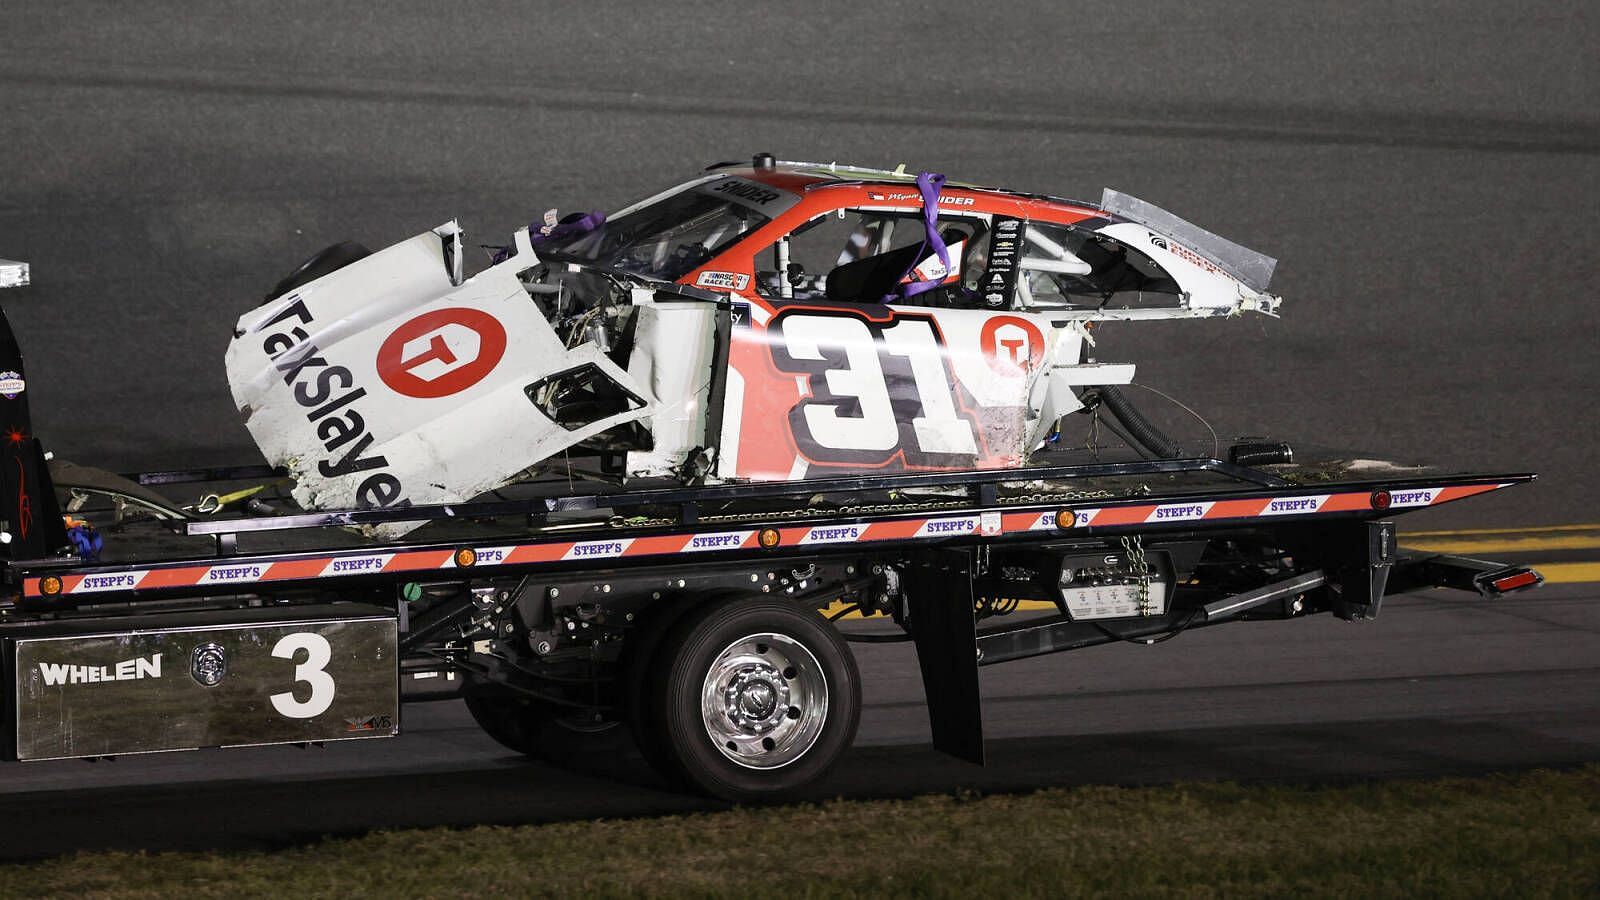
442, 352
904, 196
833, 534
236, 573
942, 527
120, 581
724, 540
1178, 512
134, 669
1413, 497
598, 549
11, 384
357, 565
1011, 345
731, 281
1293, 506
487, 556
764, 199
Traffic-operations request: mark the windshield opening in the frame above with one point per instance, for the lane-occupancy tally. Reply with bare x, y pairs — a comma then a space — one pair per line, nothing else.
667, 239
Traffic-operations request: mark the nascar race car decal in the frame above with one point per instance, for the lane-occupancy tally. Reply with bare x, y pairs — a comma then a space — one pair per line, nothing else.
854, 388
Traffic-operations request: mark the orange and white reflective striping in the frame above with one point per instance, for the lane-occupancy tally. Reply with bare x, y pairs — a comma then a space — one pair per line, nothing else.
880, 531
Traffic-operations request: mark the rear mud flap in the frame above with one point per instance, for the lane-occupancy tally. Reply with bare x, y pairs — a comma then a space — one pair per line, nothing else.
939, 595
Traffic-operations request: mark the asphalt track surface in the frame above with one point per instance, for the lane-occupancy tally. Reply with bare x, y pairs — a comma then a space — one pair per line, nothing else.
1427, 176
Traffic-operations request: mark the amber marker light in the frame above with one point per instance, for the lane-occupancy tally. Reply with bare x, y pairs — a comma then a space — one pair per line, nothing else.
1066, 518
768, 537
466, 558
50, 585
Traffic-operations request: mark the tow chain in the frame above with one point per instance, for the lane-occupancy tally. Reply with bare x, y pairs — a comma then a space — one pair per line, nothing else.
804, 512
860, 509
1134, 548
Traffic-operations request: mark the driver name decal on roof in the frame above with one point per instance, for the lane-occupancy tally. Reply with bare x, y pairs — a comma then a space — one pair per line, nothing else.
764, 199
906, 196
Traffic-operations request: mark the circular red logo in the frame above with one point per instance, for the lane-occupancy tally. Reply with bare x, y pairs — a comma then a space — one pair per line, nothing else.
442, 352
1011, 344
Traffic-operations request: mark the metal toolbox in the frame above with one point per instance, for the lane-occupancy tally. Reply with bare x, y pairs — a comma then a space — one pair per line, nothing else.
181, 681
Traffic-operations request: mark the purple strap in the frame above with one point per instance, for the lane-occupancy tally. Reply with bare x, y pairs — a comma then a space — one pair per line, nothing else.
928, 184
570, 226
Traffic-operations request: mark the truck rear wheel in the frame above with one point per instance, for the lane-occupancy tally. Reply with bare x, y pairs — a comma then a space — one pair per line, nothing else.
517, 723
750, 698
536, 728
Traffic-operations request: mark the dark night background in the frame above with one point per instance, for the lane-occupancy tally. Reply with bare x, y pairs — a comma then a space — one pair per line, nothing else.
1426, 176
1426, 173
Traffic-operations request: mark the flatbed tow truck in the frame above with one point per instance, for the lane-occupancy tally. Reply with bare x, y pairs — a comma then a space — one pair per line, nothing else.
714, 621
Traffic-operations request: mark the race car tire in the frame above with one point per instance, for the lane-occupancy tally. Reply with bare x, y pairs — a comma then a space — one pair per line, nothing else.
751, 698
323, 262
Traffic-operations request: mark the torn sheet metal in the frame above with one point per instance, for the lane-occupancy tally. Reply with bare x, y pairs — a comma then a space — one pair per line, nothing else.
1252, 269
674, 355
383, 384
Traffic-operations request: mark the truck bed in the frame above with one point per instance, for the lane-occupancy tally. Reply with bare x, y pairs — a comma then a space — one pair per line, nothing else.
556, 521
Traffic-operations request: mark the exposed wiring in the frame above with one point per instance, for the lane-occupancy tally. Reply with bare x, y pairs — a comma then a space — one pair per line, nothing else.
1216, 445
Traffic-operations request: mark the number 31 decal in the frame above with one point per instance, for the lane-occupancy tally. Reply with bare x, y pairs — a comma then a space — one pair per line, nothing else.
878, 390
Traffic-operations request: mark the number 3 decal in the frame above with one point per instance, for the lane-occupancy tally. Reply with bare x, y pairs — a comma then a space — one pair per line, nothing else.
318, 654
878, 390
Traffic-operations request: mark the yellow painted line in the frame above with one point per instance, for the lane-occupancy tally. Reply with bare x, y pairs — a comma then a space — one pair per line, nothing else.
1569, 573
1543, 529
1507, 545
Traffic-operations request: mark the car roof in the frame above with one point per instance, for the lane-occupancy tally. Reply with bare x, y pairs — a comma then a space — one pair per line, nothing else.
794, 175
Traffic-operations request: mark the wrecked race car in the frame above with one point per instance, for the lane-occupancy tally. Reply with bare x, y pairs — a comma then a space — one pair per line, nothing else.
837, 402
776, 321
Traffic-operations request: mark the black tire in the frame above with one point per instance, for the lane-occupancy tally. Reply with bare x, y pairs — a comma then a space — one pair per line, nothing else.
517, 723
637, 667
324, 262
782, 668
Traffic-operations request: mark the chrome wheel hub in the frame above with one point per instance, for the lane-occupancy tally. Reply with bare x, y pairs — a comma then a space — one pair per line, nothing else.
764, 701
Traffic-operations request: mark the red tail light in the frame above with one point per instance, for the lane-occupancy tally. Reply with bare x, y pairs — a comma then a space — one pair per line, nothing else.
1514, 580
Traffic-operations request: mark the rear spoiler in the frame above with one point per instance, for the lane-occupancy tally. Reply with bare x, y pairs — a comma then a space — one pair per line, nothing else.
1252, 269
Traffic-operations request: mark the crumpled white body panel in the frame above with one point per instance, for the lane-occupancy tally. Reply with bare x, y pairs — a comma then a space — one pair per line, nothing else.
384, 384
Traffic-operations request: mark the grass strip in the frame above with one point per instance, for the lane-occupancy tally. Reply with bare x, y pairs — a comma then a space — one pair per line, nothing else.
1532, 834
